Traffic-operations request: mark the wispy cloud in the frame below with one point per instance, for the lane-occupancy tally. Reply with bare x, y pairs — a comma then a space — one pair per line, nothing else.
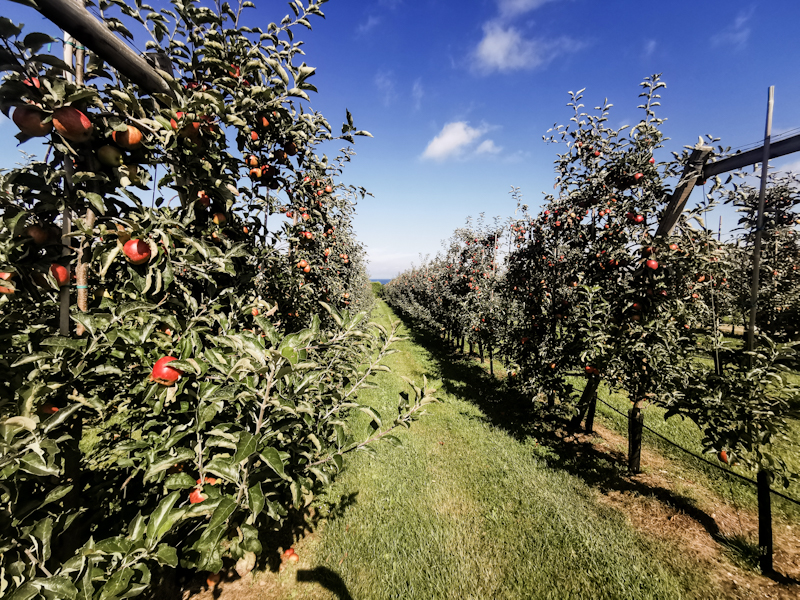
384, 81
459, 140
367, 26
513, 8
649, 48
506, 47
417, 94
736, 34
488, 147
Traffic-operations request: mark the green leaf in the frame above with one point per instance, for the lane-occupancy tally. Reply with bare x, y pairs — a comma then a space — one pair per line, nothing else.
61, 587
116, 584
246, 446
179, 481
167, 555
135, 307
271, 457
164, 463
224, 467
255, 499
160, 521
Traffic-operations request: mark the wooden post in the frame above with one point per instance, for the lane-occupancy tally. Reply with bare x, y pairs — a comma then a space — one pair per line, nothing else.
73, 18
692, 172
764, 505
635, 428
764, 523
590, 414
491, 360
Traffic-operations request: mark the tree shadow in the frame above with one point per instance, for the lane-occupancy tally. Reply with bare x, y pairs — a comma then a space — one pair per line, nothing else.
327, 578
557, 443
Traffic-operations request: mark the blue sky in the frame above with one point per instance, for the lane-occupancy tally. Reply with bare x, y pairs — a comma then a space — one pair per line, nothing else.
459, 94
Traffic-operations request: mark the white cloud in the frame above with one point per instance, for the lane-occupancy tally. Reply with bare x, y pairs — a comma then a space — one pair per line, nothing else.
384, 81
737, 34
512, 8
649, 48
505, 49
488, 147
452, 140
371, 22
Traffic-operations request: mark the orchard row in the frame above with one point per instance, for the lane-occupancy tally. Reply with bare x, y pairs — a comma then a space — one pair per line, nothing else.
585, 288
183, 308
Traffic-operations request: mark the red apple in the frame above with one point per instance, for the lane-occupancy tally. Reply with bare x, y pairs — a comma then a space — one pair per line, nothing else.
130, 139
6, 277
197, 496
61, 273
219, 219
137, 251
30, 121
164, 374
652, 264
72, 124
638, 176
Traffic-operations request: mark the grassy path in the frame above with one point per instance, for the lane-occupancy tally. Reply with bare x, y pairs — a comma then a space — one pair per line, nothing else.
466, 511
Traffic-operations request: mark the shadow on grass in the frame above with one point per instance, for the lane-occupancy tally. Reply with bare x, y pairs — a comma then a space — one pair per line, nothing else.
606, 470
327, 578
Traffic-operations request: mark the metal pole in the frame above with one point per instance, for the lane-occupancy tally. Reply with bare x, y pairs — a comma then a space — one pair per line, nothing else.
760, 225
764, 506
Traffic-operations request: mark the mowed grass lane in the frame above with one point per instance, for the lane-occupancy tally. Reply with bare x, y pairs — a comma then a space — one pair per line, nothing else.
465, 511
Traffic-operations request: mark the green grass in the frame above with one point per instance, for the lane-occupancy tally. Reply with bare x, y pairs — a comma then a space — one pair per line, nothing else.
687, 435
467, 509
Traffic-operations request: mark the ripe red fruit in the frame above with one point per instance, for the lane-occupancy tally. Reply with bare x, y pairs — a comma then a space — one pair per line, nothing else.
328, 189
208, 480
197, 496
203, 199
652, 161
234, 71
32, 82
638, 219
72, 124
61, 273
130, 139
30, 121
137, 251
6, 277
219, 219
302, 264
254, 312
290, 148
252, 161
164, 374
47, 409
673, 247
253, 136
638, 176
652, 264
597, 153
723, 456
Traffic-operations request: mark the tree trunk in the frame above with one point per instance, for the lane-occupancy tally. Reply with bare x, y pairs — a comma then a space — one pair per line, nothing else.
586, 403
635, 428
491, 361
